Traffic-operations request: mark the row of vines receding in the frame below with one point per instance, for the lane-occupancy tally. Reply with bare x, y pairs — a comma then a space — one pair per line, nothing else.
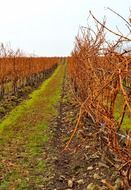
18, 70
100, 75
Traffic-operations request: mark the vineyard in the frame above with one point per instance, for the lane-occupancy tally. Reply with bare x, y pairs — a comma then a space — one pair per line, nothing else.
100, 74
17, 71
72, 130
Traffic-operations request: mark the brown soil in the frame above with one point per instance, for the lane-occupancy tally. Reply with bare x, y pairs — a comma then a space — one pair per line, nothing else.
87, 164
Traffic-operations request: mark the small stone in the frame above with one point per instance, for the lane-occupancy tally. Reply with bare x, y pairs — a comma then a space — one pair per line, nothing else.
91, 186
55, 158
70, 183
80, 181
39, 159
100, 164
96, 176
90, 168
27, 179
87, 147
61, 178
118, 184
19, 180
117, 166
41, 186
95, 156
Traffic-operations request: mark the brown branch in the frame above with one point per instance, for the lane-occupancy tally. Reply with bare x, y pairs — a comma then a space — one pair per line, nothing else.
119, 16
124, 93
128, 39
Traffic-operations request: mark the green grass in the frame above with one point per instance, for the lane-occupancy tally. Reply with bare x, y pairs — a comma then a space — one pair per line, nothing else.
29, 104
118, 111
40, 136
24, 134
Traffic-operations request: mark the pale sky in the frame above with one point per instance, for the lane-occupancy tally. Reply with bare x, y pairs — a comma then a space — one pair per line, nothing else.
49, 27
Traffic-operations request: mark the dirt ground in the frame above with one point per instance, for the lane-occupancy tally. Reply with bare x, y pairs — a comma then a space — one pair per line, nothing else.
32, 147
87, 164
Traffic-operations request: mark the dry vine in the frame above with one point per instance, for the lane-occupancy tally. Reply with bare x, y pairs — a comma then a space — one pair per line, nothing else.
100, 76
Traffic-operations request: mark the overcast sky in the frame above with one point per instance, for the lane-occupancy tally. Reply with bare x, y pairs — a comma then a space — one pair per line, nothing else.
49, 27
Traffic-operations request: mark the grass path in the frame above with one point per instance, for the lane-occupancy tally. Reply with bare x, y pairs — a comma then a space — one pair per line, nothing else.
25, 133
